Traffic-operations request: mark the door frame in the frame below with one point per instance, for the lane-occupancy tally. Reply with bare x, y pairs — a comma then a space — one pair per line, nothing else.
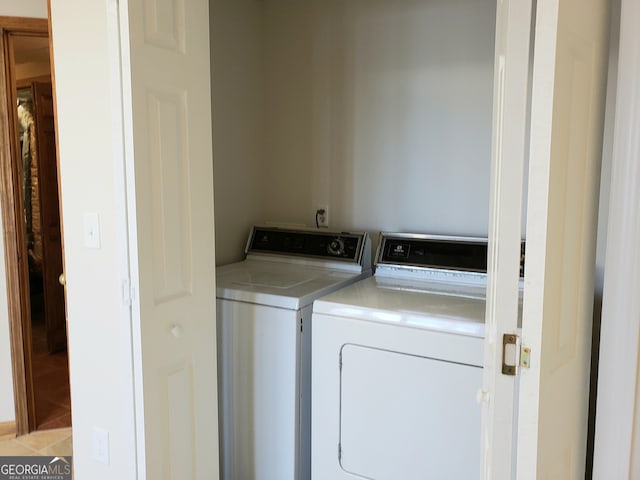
617, 428
14, 230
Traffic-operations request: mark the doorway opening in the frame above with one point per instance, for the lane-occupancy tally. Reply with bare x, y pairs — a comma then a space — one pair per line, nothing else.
33, 245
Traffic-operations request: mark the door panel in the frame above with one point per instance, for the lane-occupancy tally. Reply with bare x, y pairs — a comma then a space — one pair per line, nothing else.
565, 137
171, 231
170, 205
54, 302
566, 146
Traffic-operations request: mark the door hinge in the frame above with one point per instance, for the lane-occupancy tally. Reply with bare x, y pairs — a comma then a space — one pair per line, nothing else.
514, 354
300, 325
339, 452
340, 361
128, 292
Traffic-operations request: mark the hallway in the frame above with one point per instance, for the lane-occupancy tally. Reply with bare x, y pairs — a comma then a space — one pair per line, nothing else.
50, 377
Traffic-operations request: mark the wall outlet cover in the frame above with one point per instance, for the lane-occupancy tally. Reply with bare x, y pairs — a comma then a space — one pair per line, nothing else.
101, 445
322, 216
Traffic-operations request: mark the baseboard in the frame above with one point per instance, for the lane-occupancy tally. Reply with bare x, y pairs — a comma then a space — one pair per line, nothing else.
7, 430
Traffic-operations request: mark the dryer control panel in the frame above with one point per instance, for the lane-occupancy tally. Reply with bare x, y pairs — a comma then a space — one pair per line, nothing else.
437, 252
344, 246
431, 251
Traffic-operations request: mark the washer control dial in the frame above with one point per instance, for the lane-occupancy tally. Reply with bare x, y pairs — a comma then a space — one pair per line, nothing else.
336, 247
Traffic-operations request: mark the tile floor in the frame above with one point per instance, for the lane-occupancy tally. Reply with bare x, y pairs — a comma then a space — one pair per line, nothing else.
51, 381
47, 442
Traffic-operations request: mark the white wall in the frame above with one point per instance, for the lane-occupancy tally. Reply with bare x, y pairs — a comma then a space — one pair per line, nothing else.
23, 8
91, 176
383, 113
379, 109
237, 115
289, 115
11, 8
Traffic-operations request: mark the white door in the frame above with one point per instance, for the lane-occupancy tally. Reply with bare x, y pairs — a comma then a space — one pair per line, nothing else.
565, 136
509, 144
165, 52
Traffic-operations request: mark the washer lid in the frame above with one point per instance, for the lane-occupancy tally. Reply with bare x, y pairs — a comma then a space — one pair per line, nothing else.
278, 284
415, 304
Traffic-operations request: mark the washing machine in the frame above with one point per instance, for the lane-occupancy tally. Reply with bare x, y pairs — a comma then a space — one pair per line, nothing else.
397, 364
264, 345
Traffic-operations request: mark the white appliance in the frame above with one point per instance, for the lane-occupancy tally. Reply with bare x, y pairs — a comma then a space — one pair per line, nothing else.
264, 345
397, 364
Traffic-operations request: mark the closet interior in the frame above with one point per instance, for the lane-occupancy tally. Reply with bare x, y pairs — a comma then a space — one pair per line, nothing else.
380, 110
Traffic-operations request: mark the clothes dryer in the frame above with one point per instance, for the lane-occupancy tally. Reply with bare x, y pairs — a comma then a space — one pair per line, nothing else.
397, 364
264, 345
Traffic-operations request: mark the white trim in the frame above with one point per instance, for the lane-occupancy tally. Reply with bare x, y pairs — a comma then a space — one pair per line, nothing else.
510, 127
617, 430
132, 235
119, 68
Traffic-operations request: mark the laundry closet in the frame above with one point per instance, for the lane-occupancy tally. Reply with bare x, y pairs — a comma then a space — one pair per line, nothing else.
393, 114
379, 110
421, 116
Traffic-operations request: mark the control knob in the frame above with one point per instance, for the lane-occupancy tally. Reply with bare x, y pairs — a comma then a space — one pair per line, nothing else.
336, 247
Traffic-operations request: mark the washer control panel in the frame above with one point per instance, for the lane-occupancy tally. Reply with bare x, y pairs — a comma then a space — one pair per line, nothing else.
345, 246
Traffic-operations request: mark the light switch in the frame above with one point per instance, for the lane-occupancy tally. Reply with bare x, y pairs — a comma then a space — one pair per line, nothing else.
91, 230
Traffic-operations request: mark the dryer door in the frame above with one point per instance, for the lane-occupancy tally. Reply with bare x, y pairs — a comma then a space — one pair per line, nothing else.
406, 416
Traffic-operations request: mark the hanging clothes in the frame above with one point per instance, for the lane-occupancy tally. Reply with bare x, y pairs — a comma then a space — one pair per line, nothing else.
27, 132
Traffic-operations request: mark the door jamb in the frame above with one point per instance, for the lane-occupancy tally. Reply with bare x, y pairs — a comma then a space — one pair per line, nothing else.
13, 231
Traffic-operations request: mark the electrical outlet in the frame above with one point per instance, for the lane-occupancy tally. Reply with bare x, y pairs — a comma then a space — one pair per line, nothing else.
100, 445
322, 216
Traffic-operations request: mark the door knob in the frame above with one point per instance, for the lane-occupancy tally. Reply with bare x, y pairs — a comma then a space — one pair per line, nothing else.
62, 280
176, 331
